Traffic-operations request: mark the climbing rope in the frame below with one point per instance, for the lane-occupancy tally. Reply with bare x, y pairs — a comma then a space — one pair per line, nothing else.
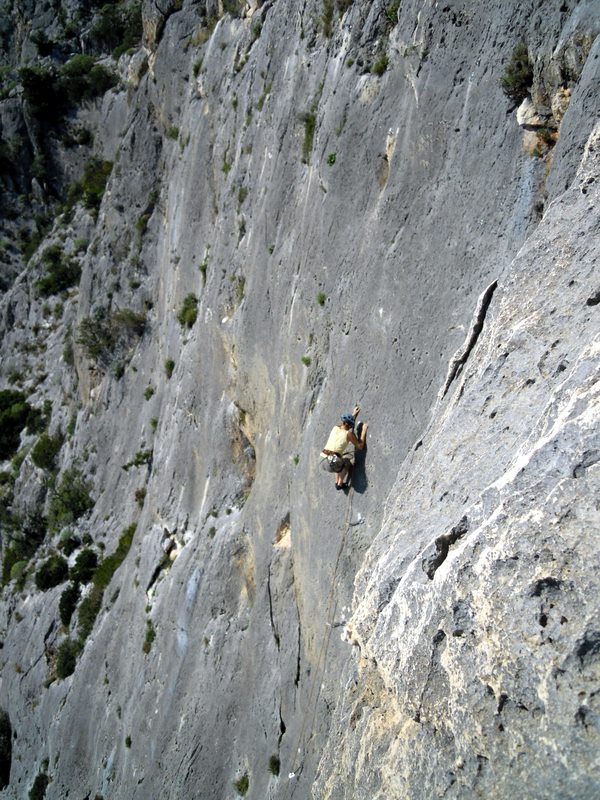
315, 689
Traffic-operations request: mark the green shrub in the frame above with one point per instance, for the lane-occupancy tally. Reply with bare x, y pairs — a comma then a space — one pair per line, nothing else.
141, 457
111, 564
310, 124
51, 573
70, 500
274, 765
306, 361
321, 297
41, 92
5, 748
173, 132
518, 75
15, 412
150, 637
331, 159
148, 392
106, 337
68, 542
242, 784
84, 567
90, 189
169, 367
189, 311
40, 784
380, 65
66, 659
118, 27
391, 11
25, 538
17, 571
45, 450
327, 18
88, 611
82, 79
68, 603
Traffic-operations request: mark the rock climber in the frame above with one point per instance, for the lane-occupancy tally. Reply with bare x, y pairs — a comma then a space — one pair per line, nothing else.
340, 437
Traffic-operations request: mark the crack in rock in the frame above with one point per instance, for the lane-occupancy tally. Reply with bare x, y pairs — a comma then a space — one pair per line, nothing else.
432, 561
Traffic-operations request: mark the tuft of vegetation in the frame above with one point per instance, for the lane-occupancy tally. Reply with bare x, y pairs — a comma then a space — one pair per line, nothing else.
118, 27
69, 501
5, 748
173, 132
310, 123
51, 573
321, 297
141, 457
140, 496
61, 272
380, 65
150, 637
106, 338
518, 76
68, 603
24, 538
189, 311
40, 784
88, 611
169, 367
274, 765
391, 11
331, 159
82, 79
90, 189
15, 413
241, 785
128, 742
85, 566
66, 659
111, 564
148, 392
306, 360
92, 603
327, 18
45, 451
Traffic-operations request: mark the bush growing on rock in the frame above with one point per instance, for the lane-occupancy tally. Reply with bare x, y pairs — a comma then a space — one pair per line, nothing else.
85, 566
5, 748
189, 311
45, 451
90, 189
15, 413
70, 500
82, 79
118, 27
106, 338
66, 659
61, 272
53, 571
242, 785
518, 75
68, 603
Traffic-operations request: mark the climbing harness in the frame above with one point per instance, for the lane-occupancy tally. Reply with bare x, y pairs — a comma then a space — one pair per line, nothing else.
315, 689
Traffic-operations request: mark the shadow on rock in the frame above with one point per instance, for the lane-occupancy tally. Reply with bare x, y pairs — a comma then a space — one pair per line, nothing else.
359, 475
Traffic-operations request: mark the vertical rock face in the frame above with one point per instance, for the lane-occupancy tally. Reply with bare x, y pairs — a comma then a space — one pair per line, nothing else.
288, 208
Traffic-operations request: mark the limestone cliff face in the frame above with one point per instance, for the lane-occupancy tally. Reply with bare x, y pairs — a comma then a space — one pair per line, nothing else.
287, 208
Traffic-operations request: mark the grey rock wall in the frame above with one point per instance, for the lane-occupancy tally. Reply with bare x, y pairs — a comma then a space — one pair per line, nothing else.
339, 267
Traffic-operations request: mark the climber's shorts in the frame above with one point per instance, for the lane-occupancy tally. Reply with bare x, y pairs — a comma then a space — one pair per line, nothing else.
334, 462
